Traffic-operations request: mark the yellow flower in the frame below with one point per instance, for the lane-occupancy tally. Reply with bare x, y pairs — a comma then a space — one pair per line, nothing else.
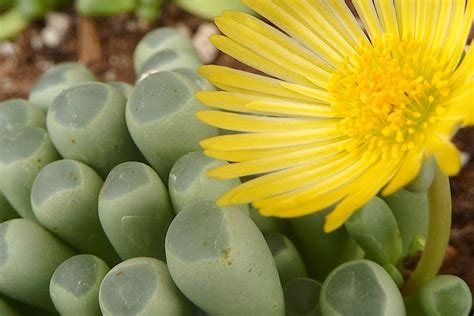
342, 115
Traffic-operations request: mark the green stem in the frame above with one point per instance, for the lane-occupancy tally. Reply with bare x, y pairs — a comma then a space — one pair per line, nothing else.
438, 234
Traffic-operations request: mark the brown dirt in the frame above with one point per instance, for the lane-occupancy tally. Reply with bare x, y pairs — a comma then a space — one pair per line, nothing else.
119, 36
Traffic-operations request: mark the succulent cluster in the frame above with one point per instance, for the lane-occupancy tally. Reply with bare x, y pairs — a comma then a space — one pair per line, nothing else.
118, 215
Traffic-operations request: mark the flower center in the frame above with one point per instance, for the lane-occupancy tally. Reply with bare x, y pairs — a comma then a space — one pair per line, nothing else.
385, 95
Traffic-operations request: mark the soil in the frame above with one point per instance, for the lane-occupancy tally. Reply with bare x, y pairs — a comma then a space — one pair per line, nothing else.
26, 58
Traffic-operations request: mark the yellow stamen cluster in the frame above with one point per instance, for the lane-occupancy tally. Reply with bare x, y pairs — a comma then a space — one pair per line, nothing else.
386, 97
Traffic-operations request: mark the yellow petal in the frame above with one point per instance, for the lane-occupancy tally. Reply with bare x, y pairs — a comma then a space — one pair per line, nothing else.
252, 154
229, 101
294, 27
369, 17
259, 124
408, 171
318, 197
341, 18
245, 82
454, 54
270, 140
446, 154
388, 17
317, 23
321, 96
442, 23
307, 198
292, 109
408, 11
257, 61
238, 27
287, 180
453, 34
269, 164
368, 186
421, 19
433, 12
464, 71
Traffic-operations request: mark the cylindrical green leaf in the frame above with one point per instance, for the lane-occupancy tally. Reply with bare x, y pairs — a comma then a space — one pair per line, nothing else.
17, 112
158, 40
24, 151
268, 224
287, 259
135, 211
87, 123
395, 274
22, 309
376, 231
302, 297
219, 259
139, 287
124, 88
360, 288
161, 117
103, 7
169, 59
411, 212
29, 254
58, 78
74, 287
188, 181
321, 251
446, 295
198, 80
64, 200
6, 309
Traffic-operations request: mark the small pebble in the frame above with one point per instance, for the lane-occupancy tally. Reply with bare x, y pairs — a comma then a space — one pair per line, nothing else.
465, 157
205, 50
57, 26
8, 49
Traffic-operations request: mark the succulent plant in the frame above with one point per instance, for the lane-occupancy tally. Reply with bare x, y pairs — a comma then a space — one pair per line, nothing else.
135, 211
57, 79
188, 181
287, 259
24, 151
141, 286
64, 200
208, 248
87, 123
119, 174
74, 286
29, 255
157, 41
161, 119
302, 297
360, 287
